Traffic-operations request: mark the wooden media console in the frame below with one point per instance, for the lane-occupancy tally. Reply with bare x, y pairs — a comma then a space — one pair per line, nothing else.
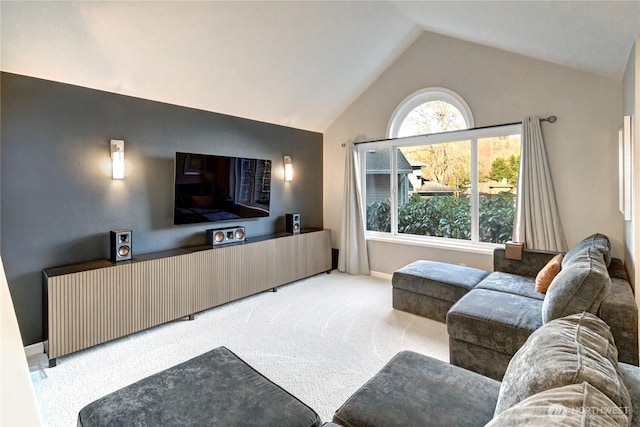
94, 302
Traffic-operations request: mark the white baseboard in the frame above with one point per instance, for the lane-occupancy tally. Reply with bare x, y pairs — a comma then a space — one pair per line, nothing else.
381, 275
34, 349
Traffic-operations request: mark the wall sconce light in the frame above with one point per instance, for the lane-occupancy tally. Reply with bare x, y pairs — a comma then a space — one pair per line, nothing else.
288, 169
117, 159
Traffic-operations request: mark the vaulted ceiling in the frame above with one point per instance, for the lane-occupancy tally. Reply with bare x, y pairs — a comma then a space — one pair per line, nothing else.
294, 63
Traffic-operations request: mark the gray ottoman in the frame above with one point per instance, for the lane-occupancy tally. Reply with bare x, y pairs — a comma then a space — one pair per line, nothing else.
214, 389
417, 390
430, 288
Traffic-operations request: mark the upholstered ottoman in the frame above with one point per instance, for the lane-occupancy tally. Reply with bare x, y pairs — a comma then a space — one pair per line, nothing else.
215, 389
430, 288
417, 390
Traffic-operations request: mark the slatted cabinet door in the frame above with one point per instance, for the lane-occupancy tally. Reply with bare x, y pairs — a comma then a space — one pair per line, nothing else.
229, 273
161, 291
257, 275
291, 258
88, 308
318, 252
204, 277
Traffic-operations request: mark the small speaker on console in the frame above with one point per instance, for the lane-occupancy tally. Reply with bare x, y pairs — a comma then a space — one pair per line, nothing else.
120, 245
292, 223
221, 236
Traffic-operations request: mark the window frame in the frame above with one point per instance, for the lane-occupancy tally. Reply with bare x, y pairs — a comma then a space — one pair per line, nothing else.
423, 96
472, 135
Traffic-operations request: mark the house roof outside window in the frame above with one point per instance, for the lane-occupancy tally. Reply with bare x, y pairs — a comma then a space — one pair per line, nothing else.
379, 162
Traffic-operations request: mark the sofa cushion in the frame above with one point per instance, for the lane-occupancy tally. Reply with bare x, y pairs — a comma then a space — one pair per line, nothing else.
511, 284
597, 241
495, 320
416, 390
631, 377
440, 280
574, 405
581, 285
565, 351
548, 273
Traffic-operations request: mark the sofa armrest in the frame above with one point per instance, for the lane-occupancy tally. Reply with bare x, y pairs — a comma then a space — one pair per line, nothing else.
617, 271
620, 311
532, 262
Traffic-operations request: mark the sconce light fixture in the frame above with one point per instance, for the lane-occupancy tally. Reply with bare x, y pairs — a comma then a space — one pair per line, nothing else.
117, 159
288, 169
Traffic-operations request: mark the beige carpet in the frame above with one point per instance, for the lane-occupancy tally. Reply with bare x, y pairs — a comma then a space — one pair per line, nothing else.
319, 338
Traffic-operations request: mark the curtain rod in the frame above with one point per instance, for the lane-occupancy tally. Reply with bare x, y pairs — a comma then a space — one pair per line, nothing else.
550, 119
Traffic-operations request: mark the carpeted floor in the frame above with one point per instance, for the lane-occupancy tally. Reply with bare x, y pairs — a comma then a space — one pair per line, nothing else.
319, 338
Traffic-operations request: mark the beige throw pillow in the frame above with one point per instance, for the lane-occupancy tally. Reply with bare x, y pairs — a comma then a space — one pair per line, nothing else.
548, 273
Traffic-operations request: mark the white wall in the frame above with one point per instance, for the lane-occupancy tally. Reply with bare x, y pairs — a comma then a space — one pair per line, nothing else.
500, 87
630, 101
635, 227
18, 406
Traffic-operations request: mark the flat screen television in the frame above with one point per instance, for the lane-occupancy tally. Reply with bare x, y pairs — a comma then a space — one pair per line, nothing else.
211, 188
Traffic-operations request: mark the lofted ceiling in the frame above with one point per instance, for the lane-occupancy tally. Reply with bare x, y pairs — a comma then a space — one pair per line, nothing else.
294, 63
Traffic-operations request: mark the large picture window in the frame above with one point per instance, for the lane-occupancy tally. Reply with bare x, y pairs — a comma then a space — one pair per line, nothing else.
448, 182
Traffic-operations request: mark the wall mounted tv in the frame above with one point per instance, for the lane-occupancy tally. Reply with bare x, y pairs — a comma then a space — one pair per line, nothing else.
210, 188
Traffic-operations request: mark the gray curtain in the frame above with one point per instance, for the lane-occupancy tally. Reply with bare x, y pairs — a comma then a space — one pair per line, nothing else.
537, 222
353, 257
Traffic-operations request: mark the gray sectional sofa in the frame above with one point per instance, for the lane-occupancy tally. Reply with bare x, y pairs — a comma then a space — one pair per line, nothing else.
489, 316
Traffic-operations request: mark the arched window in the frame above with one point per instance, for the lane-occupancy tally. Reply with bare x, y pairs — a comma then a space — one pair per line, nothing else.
431, 110
427, 183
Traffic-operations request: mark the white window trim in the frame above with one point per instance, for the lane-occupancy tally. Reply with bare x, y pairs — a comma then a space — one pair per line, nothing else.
472, 135
426, 95
433, 242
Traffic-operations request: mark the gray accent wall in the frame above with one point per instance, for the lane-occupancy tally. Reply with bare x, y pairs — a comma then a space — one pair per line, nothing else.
58, 201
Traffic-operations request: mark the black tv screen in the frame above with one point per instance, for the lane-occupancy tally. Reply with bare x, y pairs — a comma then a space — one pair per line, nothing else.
210, 188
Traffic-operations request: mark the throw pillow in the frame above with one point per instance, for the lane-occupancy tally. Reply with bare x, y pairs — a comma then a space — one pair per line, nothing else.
568, 406
597, 241
581, 285
565, 351
548, 273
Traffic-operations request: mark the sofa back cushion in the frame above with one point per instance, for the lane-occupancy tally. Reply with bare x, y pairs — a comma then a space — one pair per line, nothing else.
565, 351
574, 405
581, 285
597, 241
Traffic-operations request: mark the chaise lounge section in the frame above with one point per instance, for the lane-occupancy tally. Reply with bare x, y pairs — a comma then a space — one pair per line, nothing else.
431, 288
